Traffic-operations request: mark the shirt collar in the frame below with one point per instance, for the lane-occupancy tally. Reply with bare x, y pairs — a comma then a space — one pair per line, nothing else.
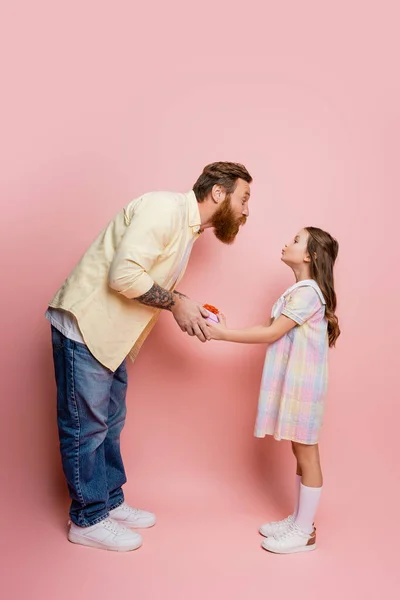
194, 218
309, 283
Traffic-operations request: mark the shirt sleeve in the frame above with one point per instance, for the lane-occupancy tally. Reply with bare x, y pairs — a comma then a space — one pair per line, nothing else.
302, 304
153, 225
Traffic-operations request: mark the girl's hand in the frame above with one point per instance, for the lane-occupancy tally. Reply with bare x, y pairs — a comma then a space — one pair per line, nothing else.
217, 331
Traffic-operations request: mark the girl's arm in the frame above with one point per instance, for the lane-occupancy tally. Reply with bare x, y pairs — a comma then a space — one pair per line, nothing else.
260, 334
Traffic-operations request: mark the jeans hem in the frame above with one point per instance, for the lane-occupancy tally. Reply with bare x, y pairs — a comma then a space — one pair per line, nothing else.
116, 505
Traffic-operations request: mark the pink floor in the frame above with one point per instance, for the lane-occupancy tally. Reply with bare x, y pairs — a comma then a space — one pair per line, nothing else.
204, 548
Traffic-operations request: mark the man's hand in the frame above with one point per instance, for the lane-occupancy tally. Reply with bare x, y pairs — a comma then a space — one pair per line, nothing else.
190, 316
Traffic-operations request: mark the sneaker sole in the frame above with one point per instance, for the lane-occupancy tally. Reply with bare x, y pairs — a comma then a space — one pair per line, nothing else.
76, 539
295, 551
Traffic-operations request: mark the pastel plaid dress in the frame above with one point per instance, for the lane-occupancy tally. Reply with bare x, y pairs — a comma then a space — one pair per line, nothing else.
295, 376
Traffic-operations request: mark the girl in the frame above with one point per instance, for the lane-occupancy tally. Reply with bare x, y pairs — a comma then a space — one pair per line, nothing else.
294, 381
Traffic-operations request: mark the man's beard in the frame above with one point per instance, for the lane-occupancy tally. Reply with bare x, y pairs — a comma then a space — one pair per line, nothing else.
226, 225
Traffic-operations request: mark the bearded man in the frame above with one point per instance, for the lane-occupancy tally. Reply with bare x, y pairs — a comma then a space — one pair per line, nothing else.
103, 312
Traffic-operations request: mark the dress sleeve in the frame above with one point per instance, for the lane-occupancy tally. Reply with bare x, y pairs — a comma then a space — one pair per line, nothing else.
302, 304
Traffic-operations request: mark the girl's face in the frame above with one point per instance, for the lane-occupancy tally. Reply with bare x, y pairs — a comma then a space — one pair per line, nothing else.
295, 252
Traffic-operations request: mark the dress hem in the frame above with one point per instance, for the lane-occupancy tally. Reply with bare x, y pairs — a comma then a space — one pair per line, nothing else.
287, 439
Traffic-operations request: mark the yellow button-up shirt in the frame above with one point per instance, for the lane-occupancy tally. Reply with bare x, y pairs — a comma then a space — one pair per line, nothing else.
147, 242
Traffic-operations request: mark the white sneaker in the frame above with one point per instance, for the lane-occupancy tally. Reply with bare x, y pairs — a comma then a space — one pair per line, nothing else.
107, 535
133, 517
293, 540
276, 528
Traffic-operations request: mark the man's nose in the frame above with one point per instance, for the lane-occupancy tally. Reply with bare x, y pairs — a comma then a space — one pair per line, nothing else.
245, 211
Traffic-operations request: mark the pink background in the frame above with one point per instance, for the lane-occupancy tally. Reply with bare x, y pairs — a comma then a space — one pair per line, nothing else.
102, 101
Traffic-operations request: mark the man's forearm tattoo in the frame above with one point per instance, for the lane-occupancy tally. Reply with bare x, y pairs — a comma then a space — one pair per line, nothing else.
158, 297
179, 294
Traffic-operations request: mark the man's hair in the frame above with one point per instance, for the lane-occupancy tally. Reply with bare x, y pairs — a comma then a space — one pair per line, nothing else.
220, 173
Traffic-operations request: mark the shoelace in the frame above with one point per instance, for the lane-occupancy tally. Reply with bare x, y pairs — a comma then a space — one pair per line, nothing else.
113, 527
282, 524
129, 509
294, 529
285, 522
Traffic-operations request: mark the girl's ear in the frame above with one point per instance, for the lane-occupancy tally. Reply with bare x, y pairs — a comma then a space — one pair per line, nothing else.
308, 259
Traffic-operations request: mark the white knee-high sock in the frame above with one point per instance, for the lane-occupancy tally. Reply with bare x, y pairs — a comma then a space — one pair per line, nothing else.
297, 495
308, 504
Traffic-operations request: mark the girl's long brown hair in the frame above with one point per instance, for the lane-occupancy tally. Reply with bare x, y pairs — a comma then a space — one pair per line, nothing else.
323, 250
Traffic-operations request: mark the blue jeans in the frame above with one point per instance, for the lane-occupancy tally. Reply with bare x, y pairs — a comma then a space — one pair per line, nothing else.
91, 411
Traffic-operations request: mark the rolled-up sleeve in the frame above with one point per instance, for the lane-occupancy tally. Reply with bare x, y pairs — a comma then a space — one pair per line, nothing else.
151, 228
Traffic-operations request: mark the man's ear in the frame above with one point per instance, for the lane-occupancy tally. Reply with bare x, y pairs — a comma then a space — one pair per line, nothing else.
218, 193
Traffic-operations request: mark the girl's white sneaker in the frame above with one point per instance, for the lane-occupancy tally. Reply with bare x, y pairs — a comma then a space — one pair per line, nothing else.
293, 540
276, 527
